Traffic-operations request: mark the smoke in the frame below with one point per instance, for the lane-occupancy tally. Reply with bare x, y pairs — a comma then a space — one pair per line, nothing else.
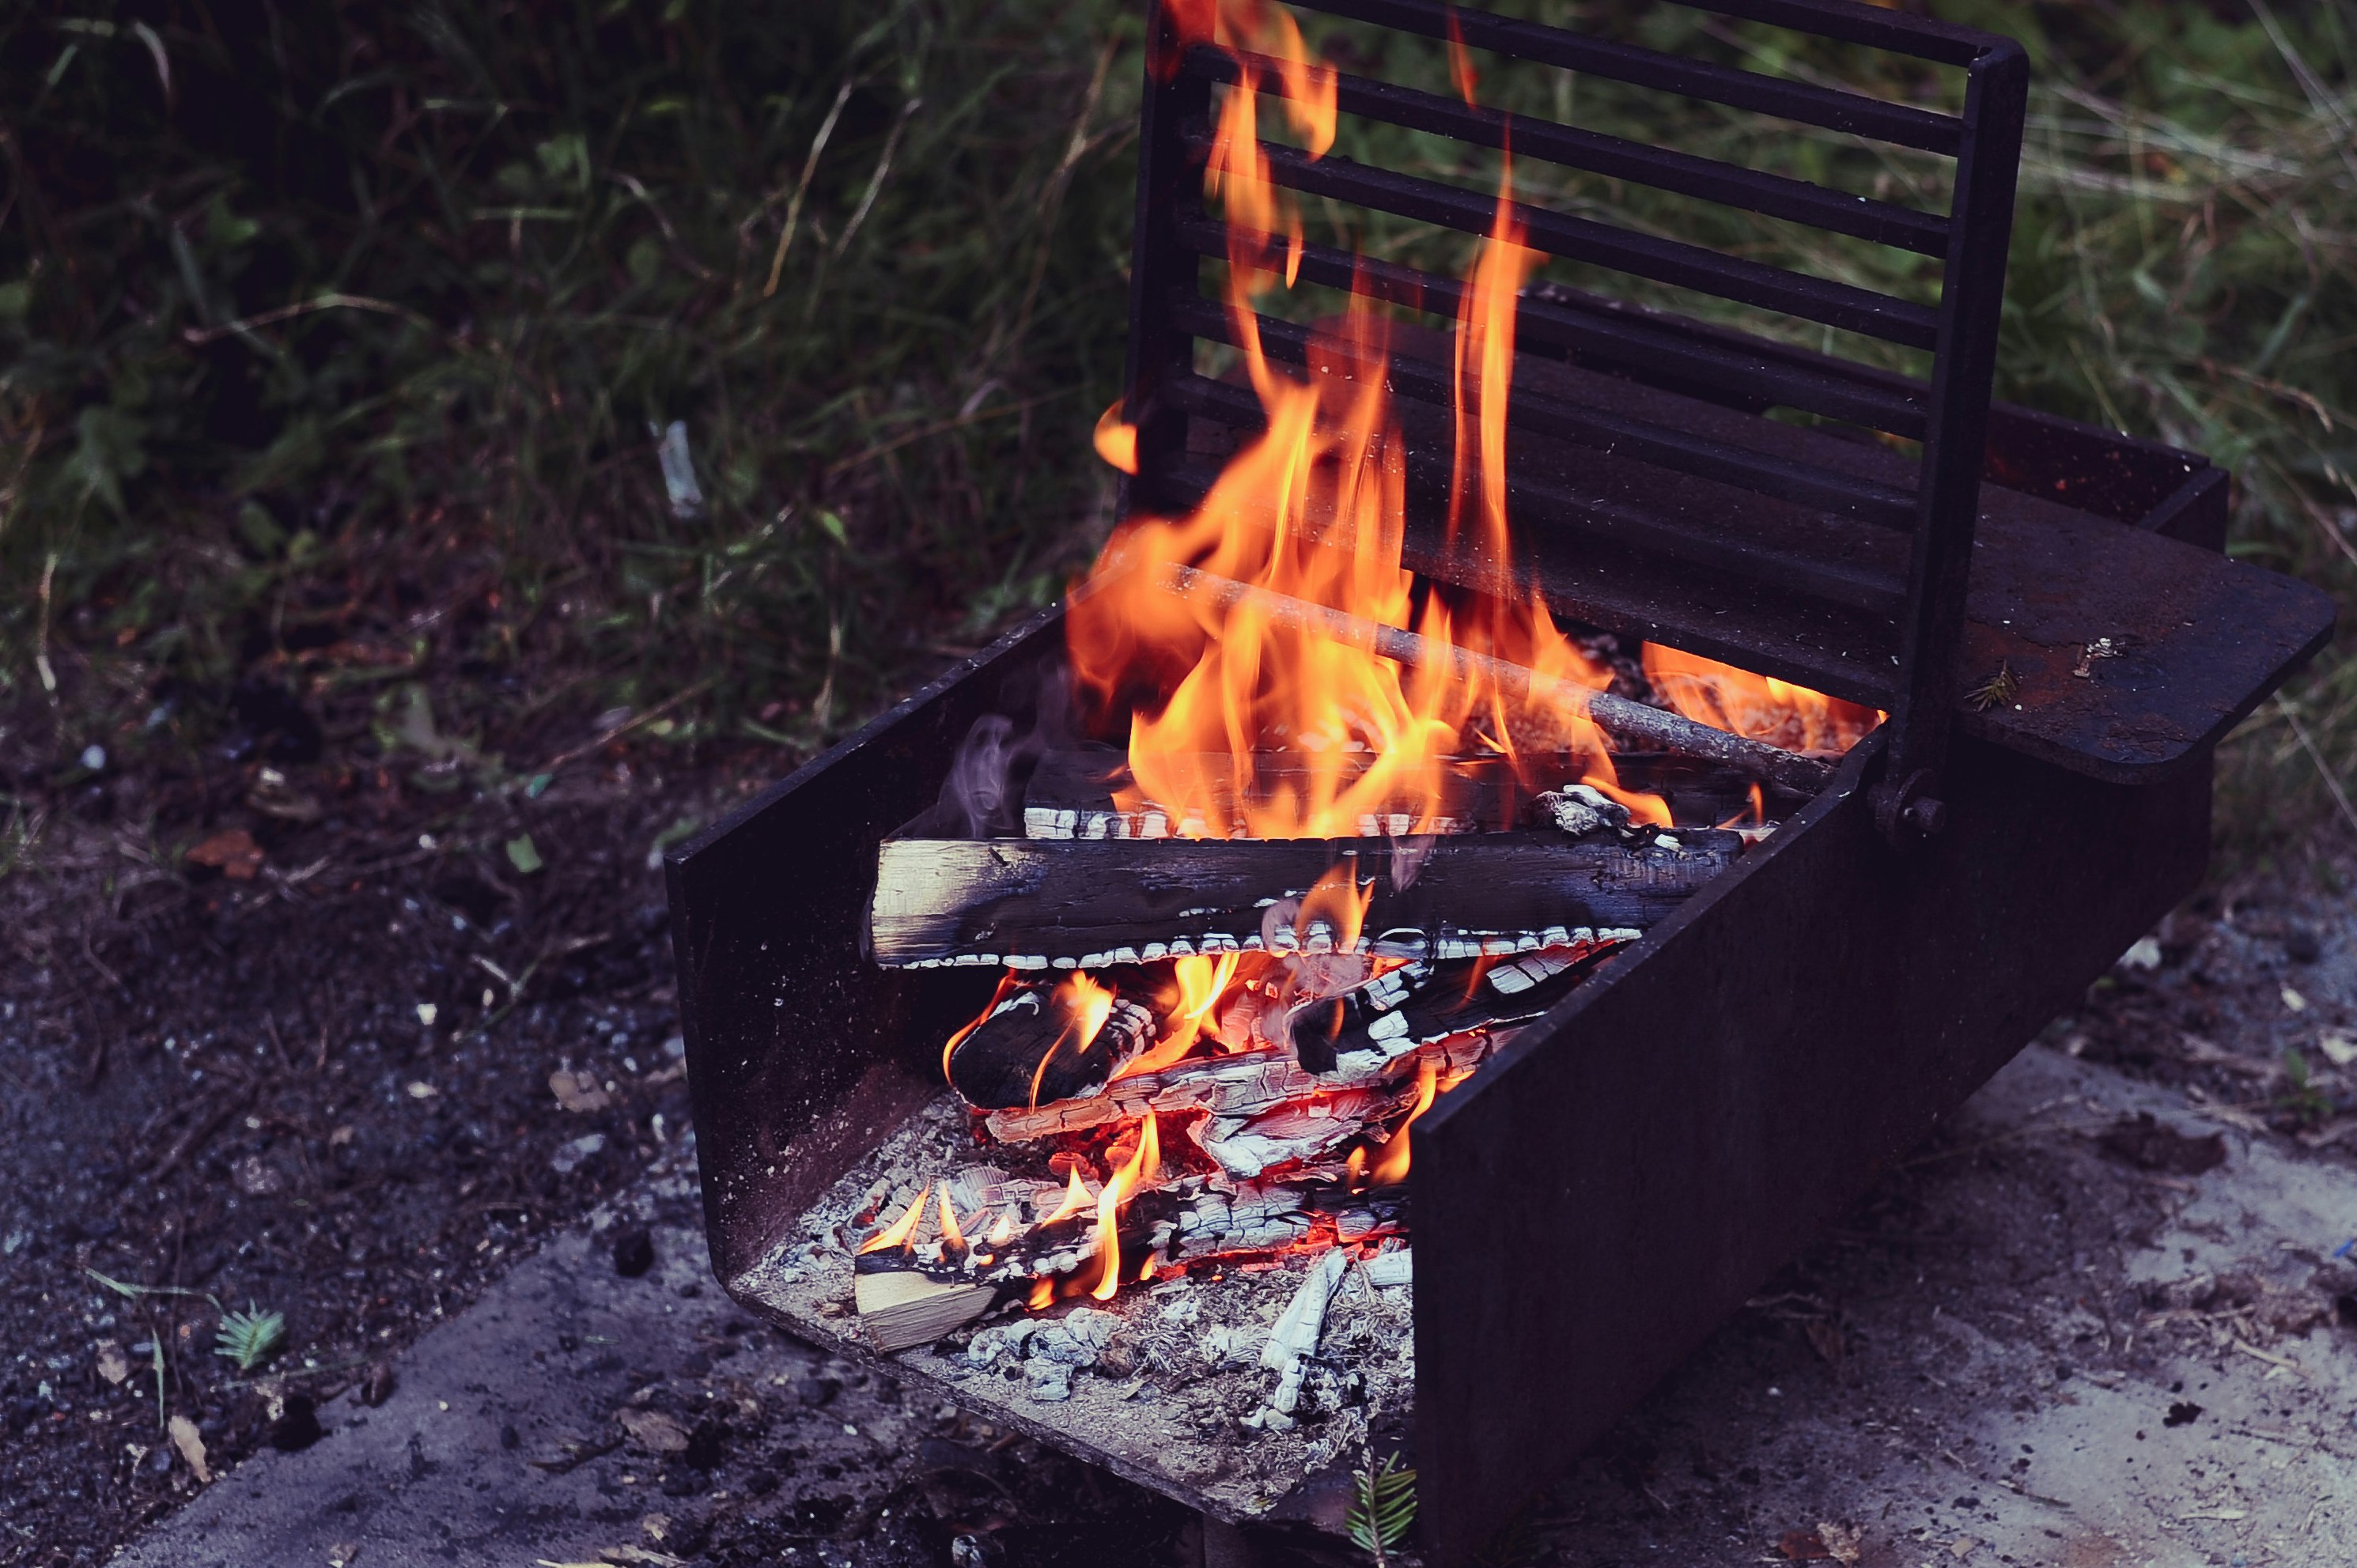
983, 795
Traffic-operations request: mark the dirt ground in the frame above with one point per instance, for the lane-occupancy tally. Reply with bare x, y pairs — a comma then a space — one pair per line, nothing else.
330, 1089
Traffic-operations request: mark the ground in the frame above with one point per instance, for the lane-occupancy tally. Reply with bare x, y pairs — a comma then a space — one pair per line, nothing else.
2051, 1334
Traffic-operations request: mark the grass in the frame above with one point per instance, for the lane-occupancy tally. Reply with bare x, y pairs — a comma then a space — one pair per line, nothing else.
376, 319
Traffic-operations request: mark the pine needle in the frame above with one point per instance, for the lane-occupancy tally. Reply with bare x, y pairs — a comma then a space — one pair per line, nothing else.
249, 1337
1383, 1508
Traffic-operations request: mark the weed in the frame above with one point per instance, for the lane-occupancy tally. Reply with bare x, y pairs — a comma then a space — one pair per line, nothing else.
250, 1338
1383, 1508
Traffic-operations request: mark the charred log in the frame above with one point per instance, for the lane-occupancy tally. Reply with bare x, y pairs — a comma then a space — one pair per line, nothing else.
1038, 1045
1038, 904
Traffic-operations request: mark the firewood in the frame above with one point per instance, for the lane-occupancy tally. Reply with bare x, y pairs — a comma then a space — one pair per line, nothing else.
902, 1305
1037, 1047
1087, 903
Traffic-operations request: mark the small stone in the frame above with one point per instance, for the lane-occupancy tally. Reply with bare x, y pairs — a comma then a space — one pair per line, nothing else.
509, 1437
816, 1392
376, 1386
569, 1157
296, 1424
1048, 1381
634, 1251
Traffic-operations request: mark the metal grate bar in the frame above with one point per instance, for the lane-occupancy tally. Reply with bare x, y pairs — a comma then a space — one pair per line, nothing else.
1802, 102
1537, 414
1769, 373
1671, 261
1775, 196
1560, 511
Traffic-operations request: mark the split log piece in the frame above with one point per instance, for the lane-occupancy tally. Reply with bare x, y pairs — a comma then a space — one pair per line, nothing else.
1616, 716
1296, 1332
1037, 1047
1088, 903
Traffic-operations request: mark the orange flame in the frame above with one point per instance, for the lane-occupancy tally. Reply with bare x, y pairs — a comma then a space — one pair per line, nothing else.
1076, 1198
897, 1234
1086, 1006
1759, 706
1144, 1164
1006, 983
1389, 1167
1203, 980
951, 1235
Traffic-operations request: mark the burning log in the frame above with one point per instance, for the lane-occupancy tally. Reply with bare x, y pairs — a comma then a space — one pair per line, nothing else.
1041, 1043
1230, 1088
1617, 716
1085, 903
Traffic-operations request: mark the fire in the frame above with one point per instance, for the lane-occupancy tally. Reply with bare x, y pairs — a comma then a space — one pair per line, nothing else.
1006, 983
1086, 1006
1144, 1164
1315, 509
1203, 980
897, 1234
1389, 1167
951, 1235
1076, 1198
1759, 706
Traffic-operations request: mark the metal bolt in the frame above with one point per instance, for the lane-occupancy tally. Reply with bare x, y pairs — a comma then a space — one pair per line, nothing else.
1927, 816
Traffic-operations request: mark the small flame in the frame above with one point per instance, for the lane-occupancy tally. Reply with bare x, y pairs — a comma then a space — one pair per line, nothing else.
1759, 706
951, 1235
1076, 1198
1043, 1293
1006, 983
1389, 1167
1203, 980
1339, 903
1086, 1006
1144, 1164
1004, 1232
1116, 440
897, 1234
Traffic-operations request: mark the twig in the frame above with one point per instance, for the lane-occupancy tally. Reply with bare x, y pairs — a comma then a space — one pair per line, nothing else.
199, 336
802, 187
626, 726
1617, 715
2340, 796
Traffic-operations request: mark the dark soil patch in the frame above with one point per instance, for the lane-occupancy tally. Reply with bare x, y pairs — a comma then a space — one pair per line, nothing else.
323, 1090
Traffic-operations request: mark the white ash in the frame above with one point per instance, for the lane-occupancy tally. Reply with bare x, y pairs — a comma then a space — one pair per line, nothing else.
1166, 1375
1582, 808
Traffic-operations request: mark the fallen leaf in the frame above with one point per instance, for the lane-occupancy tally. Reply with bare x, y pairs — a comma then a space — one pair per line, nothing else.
341, 1553
578, 1091
340, 1137
2339, 1049
232, 852
191, 1446
524, 856
1802, 1546
1844, 1543
1961, 1546
112, 1364
2294, 1000
646, 1556
2227, 1514
651, 1429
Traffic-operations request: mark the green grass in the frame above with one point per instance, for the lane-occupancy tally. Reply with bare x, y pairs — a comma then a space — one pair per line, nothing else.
374, 315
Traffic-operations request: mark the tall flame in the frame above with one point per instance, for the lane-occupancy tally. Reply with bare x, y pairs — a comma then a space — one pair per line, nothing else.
1314, 508
897, 1234
1084, 1006
1389, 1166
1202, 980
